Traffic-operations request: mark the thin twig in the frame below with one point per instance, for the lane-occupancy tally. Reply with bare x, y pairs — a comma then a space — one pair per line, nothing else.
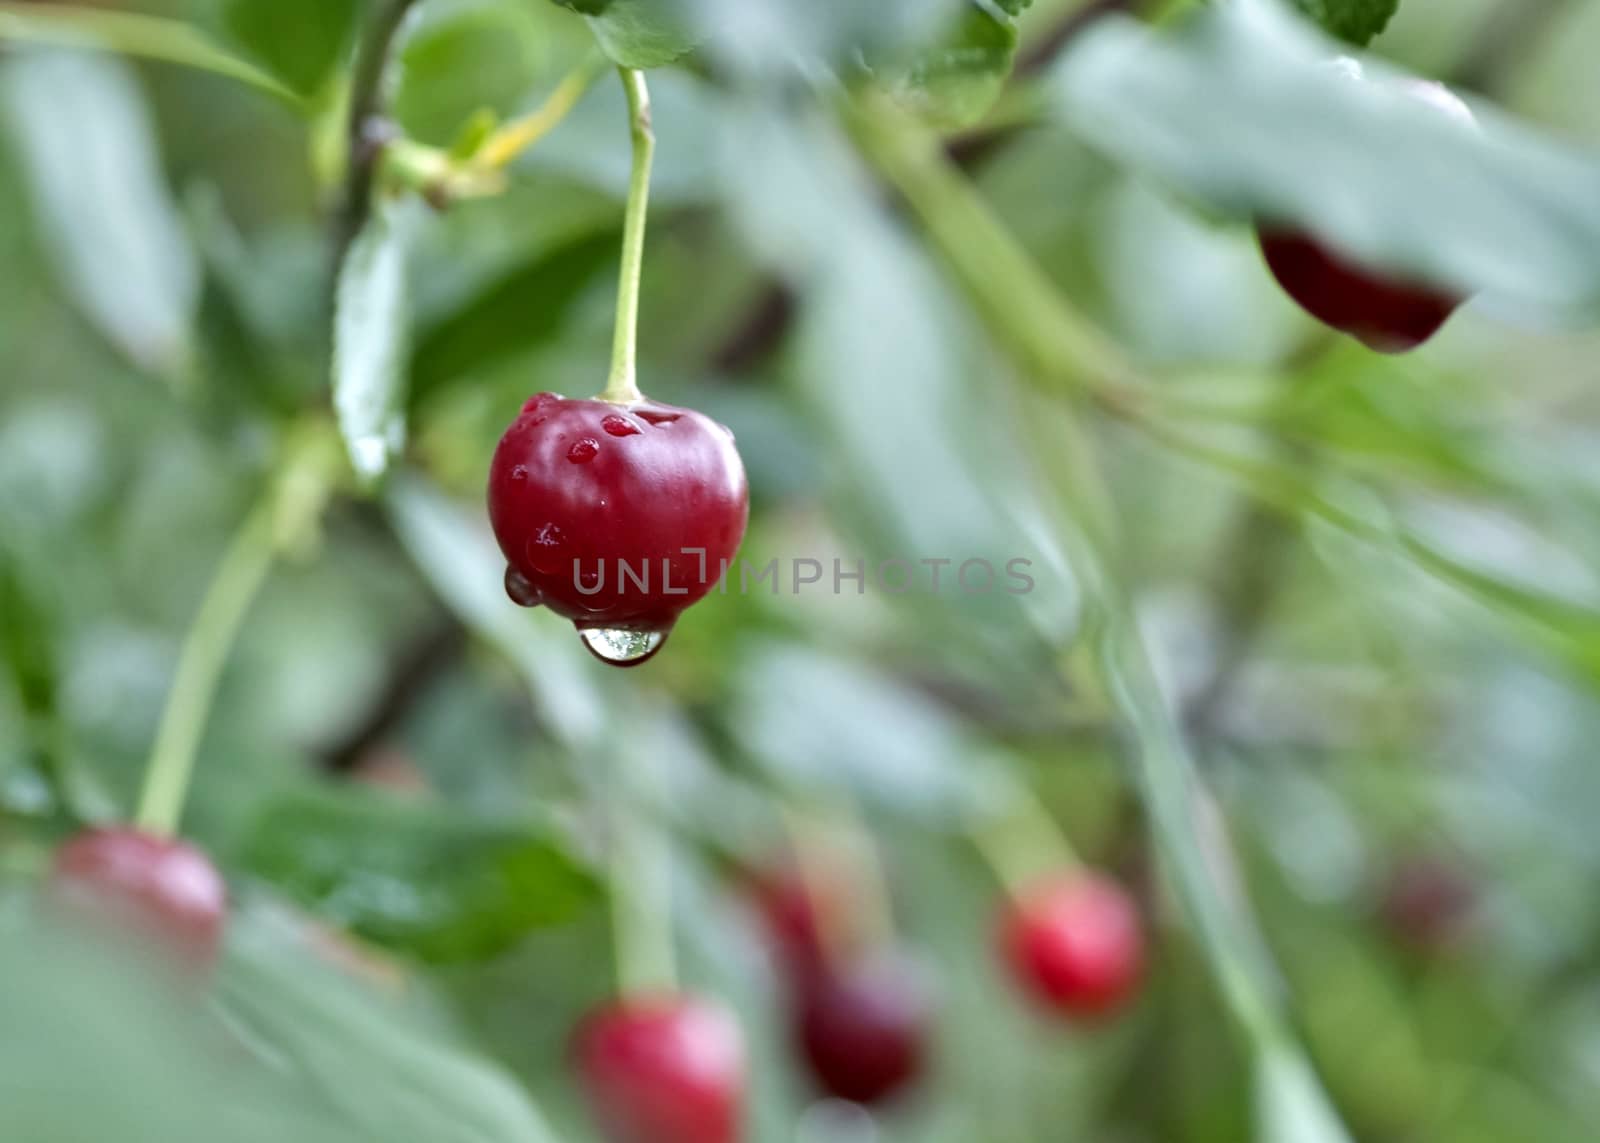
419, 666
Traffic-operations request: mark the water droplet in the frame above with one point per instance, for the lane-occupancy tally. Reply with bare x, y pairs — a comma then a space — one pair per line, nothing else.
620, 647
544, 548
521, 590
519, 473
619, 426
539, 402
583, 451
656, 418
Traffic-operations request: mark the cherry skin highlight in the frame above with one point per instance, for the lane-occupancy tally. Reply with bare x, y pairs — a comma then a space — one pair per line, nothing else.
163, 891
1387, 314
1074, 944
617, 517
666, 1069
863, 1030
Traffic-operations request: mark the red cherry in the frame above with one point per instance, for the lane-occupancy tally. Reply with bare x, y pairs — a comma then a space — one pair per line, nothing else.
1387, 314
1427, 904
617, 517
162, 890
1074, 943
666, 1069
863, 1029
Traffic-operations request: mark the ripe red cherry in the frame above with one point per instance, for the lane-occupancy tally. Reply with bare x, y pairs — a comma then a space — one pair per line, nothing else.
163, 891
1074, 944
863, 1029
667, 1069
1389, 315
617, 517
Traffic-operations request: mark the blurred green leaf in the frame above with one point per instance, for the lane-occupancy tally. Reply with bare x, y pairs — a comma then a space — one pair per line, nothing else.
299, 41
461, 560
637, 33
821, 724
1354, 20
372, 339
381, 1066
515, 313
88, 149
112, 1050
954, 82
462, 57
1238, 108
132, 34
424, 879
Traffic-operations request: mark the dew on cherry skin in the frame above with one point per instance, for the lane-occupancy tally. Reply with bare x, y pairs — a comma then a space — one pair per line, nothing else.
622, 648
657, 418
619, 426
520, 473
583, 451
522, 593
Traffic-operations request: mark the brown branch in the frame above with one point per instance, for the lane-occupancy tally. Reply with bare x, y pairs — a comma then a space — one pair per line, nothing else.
418, 667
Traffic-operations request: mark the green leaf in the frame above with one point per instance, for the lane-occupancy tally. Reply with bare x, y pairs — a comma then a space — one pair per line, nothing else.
131, 34
824, 724
372, 341
422, 879
381, 1066
462, 58
89, 151
637, 33
460, 558
299, 41
955, 82
514, 313
1354, 20
1239, 108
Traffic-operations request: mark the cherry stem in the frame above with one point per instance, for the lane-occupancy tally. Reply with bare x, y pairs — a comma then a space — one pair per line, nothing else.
510, 141
239, 577
622, 387
641, 902
837, 827
1024, 843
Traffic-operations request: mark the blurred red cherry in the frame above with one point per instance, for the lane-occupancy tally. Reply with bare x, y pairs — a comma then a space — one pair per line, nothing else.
666, 1069
863, 1029
1074, 944
1427, 904
806, 914
161, 890
1388, 314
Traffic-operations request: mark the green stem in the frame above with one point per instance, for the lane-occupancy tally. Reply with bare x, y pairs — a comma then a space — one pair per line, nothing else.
127, 33
622, 387
1023, 844
243, 569
641, 904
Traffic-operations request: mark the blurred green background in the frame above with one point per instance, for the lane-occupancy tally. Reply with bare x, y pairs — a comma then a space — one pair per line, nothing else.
1367, 586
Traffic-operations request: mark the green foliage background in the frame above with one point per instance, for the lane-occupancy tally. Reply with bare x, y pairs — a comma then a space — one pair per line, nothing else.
949, 312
